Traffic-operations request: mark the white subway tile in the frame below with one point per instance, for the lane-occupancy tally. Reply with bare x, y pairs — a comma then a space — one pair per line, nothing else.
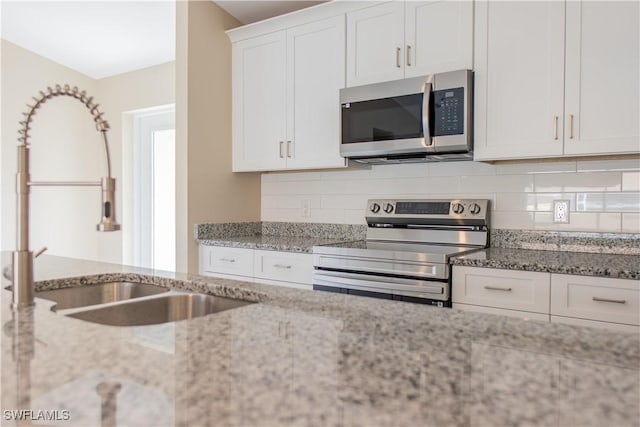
608, 165
608, 202
269, 202
352, 216
548, 166
631, 222
299, 176
497, 183
344, 202
573, 182
631, 181
346, 174
461, 168
532, 201
512, 220
400, 171
331, 216
580, 221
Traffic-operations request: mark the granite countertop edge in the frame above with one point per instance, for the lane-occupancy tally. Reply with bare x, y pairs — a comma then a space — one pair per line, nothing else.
558, 262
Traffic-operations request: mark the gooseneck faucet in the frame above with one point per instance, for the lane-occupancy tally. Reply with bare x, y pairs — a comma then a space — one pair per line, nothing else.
22, 260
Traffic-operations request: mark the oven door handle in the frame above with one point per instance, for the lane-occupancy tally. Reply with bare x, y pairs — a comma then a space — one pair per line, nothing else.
378, 283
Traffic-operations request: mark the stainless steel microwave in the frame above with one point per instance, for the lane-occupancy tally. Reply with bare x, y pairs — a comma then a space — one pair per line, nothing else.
426, 118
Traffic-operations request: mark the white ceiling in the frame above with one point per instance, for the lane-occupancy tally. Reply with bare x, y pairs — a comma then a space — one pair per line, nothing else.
97, 38
248, 11
101, 38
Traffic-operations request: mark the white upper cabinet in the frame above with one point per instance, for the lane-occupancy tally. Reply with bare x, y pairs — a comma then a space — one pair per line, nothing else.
602, 78
398, 39
259, 103
519, 78
375, 40
438, 37
286, 98
315, 76
527, 105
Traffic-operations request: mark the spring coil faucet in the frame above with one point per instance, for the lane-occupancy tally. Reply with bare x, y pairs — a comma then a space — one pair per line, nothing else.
22, 260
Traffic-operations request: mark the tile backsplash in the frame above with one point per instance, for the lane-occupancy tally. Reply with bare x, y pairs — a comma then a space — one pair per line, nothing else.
604, 195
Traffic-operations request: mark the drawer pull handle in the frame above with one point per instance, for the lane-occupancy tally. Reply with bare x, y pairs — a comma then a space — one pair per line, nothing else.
617, 301
227, 260
496, 288
284, 267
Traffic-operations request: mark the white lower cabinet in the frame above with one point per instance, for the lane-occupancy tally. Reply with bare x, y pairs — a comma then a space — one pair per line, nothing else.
269, 267
560, 298
517, 293
283, 267
596, 299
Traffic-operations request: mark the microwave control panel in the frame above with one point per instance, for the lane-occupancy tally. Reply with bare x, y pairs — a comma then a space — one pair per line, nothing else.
448, 108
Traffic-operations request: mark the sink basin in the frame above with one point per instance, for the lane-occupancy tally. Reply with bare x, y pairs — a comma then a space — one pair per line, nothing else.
99, 294
163, 309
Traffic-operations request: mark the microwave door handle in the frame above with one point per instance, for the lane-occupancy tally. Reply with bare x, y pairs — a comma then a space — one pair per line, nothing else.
428, 89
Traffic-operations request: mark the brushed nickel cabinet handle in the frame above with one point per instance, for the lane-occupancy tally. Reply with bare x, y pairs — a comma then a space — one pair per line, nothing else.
570, 126
408, 55
282, 266
227, 260
555, 127
398, 57
280, 152
496, 288
616, 301
289, 149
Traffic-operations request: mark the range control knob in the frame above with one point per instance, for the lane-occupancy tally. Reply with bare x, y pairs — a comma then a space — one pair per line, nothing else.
375, 208
474, 209
458, 208
388, 208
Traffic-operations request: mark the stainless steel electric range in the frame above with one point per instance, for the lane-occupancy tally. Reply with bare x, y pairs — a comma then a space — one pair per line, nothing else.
406, 252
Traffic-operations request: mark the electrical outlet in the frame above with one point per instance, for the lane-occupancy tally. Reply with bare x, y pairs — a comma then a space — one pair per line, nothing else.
306, 208
561, 211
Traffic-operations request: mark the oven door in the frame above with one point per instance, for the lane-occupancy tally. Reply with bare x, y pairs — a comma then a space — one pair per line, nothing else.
408, 287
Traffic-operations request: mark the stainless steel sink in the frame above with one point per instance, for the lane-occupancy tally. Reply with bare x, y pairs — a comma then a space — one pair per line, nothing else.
102, 293
161, 309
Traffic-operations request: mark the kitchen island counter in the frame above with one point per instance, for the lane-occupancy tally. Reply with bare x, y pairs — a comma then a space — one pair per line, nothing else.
309, 358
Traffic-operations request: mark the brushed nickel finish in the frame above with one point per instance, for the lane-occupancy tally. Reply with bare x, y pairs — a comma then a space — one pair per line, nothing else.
555, 127
398, 57
616, 301
102, 293
22, 260
163, 309
570, 126
408, 55
497, 288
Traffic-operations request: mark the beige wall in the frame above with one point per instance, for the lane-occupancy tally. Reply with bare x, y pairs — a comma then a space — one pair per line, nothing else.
65, 146
121, 96
208, 190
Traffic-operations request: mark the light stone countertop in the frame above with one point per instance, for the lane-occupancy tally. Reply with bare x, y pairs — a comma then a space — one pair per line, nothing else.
562, 262
300, 244
304, 358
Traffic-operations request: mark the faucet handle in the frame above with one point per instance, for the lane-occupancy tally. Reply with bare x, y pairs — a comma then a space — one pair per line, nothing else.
7, 273
40, 251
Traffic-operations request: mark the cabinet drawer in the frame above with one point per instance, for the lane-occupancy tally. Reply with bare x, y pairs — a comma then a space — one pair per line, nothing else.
524, 315
288, 267
509, 289
596, 298
236, 261
596, 324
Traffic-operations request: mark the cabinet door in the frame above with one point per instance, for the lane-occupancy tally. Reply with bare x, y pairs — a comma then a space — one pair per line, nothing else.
439, 37
315, 75
602, 84
375, 40
519, 79
259, 97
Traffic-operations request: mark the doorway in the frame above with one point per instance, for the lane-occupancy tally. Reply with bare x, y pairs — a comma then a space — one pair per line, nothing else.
154, 190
